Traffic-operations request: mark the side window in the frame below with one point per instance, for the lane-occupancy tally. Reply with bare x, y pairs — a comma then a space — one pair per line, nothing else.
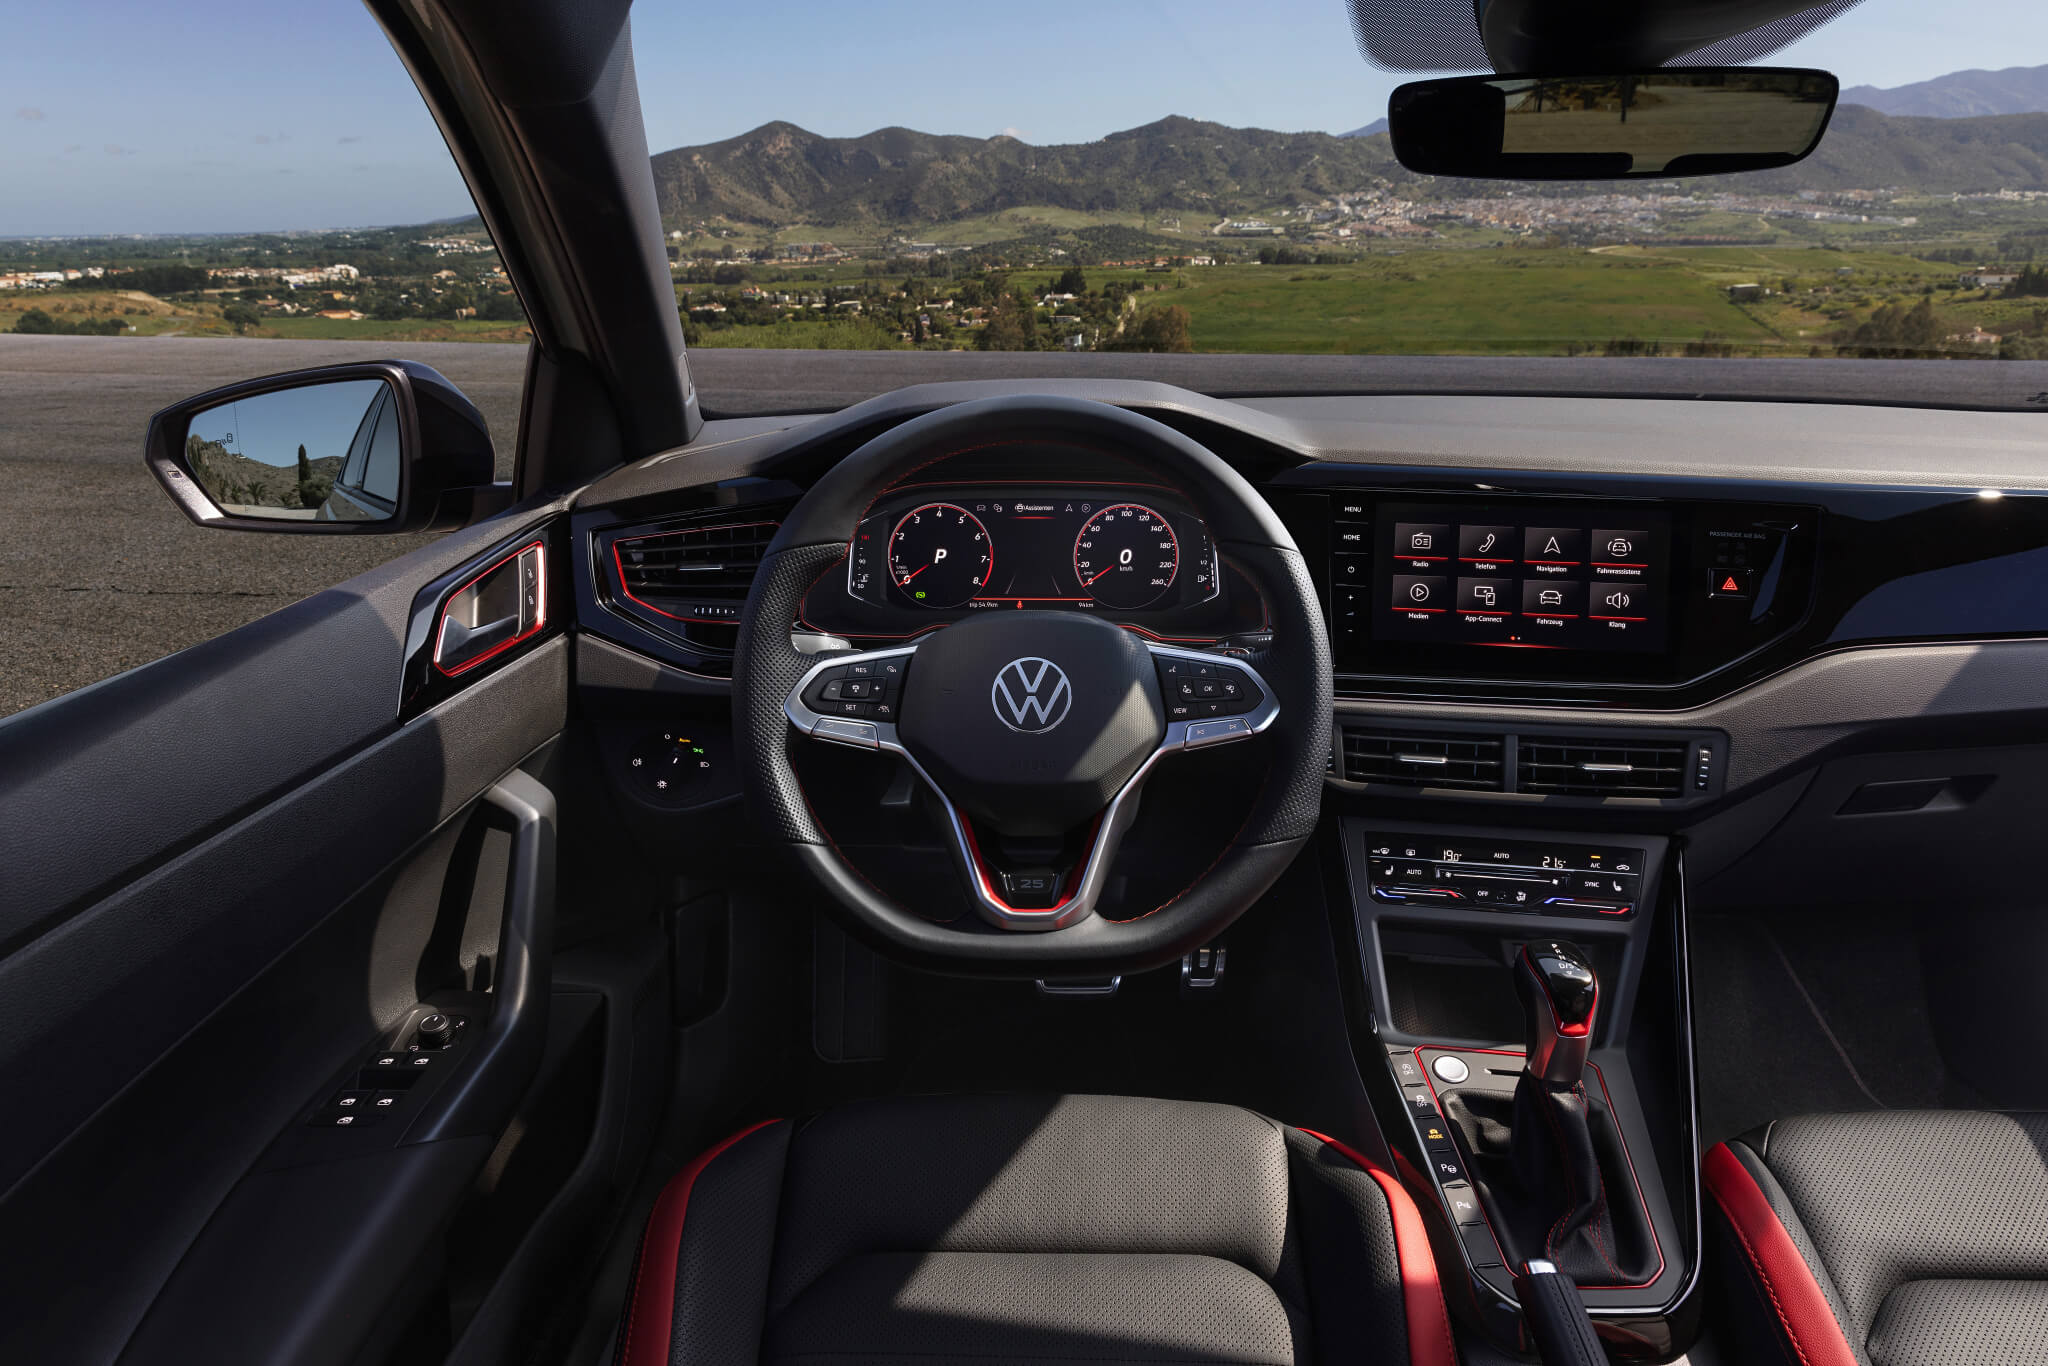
252, 236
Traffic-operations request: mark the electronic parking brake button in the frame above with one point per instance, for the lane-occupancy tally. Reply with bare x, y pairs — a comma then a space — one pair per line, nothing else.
1463, 1203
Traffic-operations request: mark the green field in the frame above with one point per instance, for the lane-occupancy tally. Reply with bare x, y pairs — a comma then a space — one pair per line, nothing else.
1527, 300
1515, 299
409, 329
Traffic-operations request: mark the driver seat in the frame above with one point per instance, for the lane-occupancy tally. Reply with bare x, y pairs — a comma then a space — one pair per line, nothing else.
1013, 1229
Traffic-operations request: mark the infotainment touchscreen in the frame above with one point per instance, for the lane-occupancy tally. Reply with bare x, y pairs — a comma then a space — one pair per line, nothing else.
1529, 577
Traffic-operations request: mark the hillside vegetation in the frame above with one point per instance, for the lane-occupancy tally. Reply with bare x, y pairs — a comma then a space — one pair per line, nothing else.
780, 174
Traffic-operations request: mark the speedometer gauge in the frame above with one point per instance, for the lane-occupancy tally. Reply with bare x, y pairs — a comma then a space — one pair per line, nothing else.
940, 555
1126, 556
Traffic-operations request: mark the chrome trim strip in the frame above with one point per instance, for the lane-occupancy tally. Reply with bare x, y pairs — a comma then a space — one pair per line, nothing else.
1116, 817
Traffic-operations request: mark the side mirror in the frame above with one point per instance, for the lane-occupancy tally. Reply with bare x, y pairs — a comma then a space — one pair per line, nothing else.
378, 448
1666, 122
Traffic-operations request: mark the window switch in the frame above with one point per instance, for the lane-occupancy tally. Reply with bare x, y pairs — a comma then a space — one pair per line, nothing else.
350, 1102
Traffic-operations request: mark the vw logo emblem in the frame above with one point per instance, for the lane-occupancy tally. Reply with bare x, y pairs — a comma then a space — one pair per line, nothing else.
1031, 695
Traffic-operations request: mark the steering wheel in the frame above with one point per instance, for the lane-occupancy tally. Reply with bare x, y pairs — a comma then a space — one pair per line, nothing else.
1037, 730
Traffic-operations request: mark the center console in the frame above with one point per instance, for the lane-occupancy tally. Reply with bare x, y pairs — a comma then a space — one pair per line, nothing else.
1533, 1075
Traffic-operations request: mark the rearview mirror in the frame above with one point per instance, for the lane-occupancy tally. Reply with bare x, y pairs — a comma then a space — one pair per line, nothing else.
382, 448
1672, 121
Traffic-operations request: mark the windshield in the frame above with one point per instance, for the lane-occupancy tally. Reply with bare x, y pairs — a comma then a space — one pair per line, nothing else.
1216, 180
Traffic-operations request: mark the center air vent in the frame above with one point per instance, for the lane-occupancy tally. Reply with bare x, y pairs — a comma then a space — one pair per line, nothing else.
1602, 768
692, 582
1465, 761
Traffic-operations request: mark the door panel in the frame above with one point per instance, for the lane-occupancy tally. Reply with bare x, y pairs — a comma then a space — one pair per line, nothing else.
225, 874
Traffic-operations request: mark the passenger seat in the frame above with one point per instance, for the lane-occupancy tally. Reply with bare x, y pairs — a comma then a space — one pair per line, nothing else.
1885, 1239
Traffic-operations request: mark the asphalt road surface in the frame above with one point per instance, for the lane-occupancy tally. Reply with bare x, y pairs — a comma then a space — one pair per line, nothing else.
99, 573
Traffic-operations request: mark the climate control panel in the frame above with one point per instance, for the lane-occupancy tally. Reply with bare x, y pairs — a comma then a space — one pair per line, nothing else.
1505, 875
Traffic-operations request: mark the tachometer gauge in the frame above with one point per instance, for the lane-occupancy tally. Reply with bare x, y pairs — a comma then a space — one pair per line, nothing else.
940, 555
1126, 556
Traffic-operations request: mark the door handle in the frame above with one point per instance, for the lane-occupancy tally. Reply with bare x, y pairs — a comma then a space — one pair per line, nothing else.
494, 611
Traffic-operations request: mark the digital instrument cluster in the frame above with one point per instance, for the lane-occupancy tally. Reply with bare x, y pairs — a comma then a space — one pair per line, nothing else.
1108, 548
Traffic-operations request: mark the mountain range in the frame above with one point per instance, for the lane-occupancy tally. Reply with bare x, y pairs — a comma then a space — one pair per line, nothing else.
781, 175
1960, 94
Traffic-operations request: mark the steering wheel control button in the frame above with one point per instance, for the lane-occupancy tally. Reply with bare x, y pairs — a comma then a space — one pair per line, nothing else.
1195, 689
862, 734
867, 689
1202, 733
1451, 1071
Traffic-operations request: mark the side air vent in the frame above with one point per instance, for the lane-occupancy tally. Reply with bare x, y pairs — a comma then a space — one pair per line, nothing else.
1602, 768
1466, 761
693, 580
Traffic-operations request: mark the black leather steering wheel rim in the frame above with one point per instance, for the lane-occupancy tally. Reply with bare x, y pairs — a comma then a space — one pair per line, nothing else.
813, 541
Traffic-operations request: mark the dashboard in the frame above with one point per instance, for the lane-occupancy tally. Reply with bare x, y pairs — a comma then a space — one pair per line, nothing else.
1100, 548
1621, 555
941, 550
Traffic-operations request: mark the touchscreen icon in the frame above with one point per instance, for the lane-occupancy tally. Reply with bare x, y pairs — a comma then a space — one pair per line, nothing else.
1484, 593
1620, 547
1618, 601
1488, 541
1421, 540
1417, 593
1550, 597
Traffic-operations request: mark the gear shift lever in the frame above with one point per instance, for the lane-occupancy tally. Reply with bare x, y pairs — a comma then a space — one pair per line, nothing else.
1560, 994
1556, 1159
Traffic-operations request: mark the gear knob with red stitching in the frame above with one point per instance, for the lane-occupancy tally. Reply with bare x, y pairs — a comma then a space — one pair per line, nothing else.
1560, 994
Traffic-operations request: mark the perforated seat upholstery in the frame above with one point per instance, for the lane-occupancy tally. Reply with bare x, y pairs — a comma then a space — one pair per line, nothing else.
1033, 1229
1900, 1238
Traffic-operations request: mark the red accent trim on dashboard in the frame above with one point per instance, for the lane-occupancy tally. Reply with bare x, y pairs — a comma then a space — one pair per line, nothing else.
619, 564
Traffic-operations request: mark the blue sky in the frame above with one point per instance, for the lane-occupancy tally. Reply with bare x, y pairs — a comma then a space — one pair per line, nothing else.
230, 115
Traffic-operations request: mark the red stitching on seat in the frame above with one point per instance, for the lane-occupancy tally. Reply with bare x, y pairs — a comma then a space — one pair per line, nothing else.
1787, 1281
645, 1341
1430, 1342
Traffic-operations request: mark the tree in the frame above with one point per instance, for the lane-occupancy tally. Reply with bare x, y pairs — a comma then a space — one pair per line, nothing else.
1012, 326
1157, 329
1071, 281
